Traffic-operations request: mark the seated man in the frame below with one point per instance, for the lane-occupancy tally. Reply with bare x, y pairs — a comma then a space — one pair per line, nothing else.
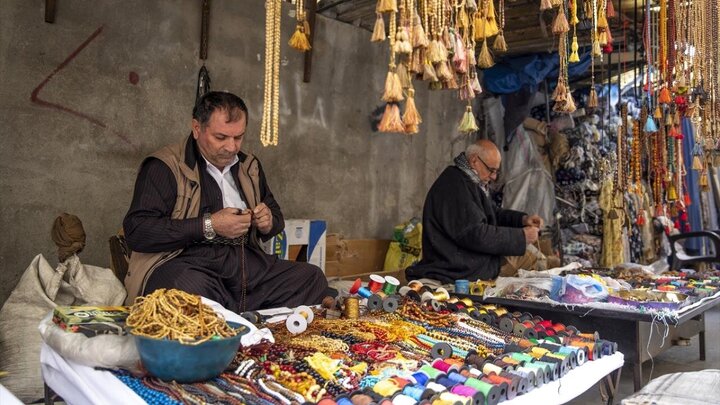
200, 208
465, 235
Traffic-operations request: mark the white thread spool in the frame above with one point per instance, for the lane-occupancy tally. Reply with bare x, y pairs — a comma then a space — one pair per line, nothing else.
298, 321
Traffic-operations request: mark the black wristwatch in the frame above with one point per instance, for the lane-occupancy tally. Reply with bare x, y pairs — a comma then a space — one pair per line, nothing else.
208, 230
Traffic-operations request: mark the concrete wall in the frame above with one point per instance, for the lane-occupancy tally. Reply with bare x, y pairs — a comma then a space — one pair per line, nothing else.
73, 143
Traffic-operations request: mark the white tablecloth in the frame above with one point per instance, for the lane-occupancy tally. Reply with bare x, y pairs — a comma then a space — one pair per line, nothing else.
78, 384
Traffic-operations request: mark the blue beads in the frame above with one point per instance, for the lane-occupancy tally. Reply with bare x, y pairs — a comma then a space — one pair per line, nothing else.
148, 395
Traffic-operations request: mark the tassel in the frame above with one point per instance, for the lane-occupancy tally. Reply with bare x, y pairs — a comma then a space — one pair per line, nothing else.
668, 120
641, 218
684, 216
463, 20
556, 3
470, 51
500, 45
681, 82
560, 25
416, 65
596, 47
391, 121
686, 198
429, 72
592, 99
676, 224
671, 192
387, 6
559, 92
650, 125
658, 112
703, 180
475, 85
491, 27
574, 57
402, 44
602, 38
608, 48
299, 40
573, 13
419, 38
468, 124
460, 60
479, 26
697, 163
448, 43
485, 60
569, 106
610, 12
451, 83
403, 75
545, 5
466, 92
378, 34
443, 71
434, 53
411, 116
602, 22
393, 87
664, 96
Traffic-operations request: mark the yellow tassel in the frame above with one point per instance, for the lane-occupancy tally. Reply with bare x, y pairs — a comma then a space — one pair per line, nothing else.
468, 124
434, 53
470, 52
393, 88
500, 45
602, 22
463, 20
411, 115
697, 163
412, 129
485, 60
480, 22
602, 38
574, 57
573, 13
391, 121
378, 34
593, 99
416, 65
560, 25
596, 48
704, 181
402, 45
672, 192
386, 6
668, 120
299, 40
658, 112
429, 73
491, 28
556, 3
419, 38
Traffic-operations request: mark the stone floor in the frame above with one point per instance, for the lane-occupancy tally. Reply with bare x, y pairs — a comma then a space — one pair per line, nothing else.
674, 360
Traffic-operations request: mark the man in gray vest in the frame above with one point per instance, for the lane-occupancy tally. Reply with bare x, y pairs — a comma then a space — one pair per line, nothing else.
199, 212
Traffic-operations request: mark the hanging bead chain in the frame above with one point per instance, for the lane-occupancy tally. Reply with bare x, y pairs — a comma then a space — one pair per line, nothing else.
271, 103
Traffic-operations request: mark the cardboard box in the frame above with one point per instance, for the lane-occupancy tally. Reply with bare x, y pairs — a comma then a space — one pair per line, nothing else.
349, 257
302, 240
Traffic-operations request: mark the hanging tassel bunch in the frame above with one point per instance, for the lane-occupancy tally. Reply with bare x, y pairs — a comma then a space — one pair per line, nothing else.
300, 39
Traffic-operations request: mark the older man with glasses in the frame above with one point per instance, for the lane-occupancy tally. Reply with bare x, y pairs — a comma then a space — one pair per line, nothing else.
465, 235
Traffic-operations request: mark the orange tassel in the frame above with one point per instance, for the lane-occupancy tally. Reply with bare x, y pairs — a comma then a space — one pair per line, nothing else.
391, 121
560, 25
411, 116
664, 96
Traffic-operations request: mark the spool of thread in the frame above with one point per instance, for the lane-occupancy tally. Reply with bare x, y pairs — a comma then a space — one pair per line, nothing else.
590, 336
526, 358
435, 387
390, 304
352, 308
462, 286
417, 392
364, 292
491, 392
489, 368
361, 399
441, 294
420, 378
374, 302
386, 388
510, 384
415, 285
441, 350
355, 287
402, 399
391, 285
532, 375
527, 381
450, 398
446, 382
577, 352
457, 378
340, 401
298, 321
502, 387
431, 372
467, 301
376, 283
464, 391
444, 366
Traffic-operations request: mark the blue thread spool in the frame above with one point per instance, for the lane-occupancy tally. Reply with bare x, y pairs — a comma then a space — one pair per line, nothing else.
344, 401
420, 378
364, 292
462, 286
446, 382
457, 378
414, 391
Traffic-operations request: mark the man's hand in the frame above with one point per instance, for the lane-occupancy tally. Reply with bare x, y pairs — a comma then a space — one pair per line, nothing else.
262, 218
533, 220
531, 234
231, 222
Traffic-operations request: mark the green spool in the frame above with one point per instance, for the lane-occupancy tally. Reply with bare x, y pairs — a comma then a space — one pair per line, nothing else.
479, 385
431, 372
389, 288
552, 339
522, 357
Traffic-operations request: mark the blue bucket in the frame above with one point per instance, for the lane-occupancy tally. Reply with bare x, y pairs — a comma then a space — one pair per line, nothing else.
171, 360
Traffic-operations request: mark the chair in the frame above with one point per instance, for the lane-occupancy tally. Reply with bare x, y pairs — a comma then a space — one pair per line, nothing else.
680, 258
120, 255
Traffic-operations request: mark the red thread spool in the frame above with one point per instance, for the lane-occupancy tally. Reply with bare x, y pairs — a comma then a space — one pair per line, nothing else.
498, 379
545, 323
550, 332
558, 327
376, 283
401, 382
355, 287
528, 324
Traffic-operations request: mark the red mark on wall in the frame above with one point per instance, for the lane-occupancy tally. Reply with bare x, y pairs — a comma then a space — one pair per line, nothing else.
133, 78
35, 98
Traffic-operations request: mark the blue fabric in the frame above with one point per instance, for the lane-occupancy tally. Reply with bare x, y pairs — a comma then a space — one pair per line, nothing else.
693, 187
511, 74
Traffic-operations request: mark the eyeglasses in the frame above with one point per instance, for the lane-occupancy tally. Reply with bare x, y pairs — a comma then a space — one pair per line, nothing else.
492, 170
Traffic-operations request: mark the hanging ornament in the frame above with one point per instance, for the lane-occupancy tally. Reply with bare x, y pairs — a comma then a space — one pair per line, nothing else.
574, 57
560, 25
491, 27
610, 10
485, 59
545, 5
391, 121
592, 98
664, 97
386, 6
468, 124
500, 45
378, 34
411, 119
650, 125
300, 38
271, 95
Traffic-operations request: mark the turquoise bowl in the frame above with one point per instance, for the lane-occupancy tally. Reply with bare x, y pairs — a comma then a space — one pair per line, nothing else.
170, 360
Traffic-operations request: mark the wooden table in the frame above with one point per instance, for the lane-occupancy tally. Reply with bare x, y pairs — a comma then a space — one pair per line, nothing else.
631, 330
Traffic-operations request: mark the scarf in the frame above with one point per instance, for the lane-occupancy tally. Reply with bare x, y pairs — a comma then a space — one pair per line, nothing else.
463, 164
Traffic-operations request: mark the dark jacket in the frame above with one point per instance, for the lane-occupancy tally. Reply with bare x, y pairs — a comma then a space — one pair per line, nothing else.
464, 233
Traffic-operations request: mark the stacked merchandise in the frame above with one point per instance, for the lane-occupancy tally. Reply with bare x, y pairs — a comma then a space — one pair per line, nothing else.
420, 344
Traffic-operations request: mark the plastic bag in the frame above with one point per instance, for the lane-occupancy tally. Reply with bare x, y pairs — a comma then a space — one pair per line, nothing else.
583, 289
406, 247
526, 288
